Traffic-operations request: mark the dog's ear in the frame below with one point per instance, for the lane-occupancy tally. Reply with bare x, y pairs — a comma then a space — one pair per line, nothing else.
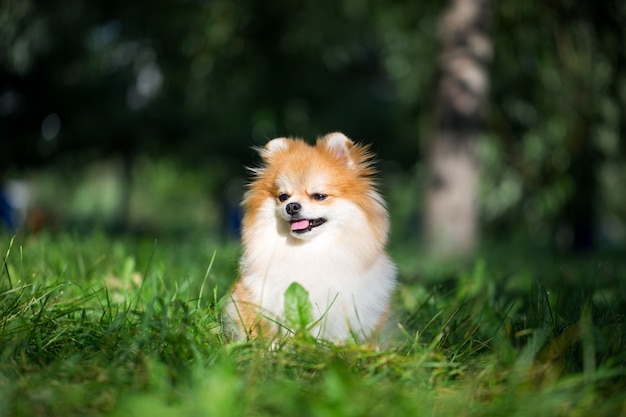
272, 147
275, 145
339, 145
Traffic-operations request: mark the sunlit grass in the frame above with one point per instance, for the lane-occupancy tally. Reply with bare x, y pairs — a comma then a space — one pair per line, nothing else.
93, 325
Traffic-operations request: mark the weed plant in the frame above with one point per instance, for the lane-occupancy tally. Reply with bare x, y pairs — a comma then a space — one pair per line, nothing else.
94, 325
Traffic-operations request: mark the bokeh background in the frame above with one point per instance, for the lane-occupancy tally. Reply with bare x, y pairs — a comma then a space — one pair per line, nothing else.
140, 117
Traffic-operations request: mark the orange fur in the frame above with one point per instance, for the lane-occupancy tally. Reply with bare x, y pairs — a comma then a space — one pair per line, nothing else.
249, 320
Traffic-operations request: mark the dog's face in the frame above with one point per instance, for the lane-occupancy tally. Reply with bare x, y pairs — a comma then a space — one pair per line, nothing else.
321, 190
306, 205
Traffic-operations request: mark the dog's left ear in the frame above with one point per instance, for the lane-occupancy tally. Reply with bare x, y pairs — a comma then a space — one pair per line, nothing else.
339, 145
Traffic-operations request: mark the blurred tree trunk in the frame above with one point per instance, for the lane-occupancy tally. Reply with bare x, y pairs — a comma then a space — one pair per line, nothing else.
450, 211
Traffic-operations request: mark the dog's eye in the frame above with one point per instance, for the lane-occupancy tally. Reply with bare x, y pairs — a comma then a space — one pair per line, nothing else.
318, 196
283, 197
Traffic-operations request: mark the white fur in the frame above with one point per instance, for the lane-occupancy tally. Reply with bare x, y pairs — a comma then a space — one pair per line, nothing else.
342, 264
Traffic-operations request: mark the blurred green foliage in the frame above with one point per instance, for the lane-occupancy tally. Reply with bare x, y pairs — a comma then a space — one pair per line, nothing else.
174, 94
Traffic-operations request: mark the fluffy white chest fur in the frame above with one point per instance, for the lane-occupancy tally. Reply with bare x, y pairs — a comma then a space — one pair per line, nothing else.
349, 281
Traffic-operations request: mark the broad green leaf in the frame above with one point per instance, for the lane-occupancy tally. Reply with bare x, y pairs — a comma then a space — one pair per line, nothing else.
298, 311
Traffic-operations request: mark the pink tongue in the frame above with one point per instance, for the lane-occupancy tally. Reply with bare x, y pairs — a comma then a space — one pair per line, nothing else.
300, 225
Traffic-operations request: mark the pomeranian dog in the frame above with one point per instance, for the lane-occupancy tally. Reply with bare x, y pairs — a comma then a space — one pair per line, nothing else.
312, 215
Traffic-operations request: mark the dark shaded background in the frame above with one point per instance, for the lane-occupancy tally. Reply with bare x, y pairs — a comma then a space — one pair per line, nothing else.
126, 114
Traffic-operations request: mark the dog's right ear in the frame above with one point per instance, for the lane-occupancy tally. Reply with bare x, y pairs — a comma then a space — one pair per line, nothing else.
273, 146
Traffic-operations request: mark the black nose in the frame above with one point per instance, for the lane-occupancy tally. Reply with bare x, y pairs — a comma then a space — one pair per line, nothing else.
293, 208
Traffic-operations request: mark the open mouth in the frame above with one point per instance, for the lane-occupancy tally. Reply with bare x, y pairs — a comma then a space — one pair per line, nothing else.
305, 225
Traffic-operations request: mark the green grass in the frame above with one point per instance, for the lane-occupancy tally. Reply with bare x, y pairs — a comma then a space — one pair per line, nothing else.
94, 325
